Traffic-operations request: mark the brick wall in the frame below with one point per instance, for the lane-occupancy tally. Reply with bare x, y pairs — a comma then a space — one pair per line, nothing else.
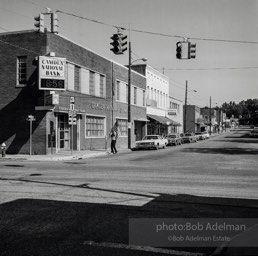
17, 103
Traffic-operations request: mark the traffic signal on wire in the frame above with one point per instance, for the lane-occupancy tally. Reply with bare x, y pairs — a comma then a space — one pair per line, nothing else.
191, 51
118, 42
179, 47
39, 22
54, 23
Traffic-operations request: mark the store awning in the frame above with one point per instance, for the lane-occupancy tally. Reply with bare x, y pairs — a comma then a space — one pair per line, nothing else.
141, 119
174, 122
161, 119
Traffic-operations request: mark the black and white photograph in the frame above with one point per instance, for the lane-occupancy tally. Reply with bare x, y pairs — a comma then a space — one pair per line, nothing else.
128, 127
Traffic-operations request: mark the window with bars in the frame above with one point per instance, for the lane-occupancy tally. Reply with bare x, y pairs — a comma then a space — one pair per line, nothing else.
122, 126
95, 126
77, 83
21, 70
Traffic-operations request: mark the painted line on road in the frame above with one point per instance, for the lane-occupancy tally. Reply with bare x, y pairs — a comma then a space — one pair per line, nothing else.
142, 248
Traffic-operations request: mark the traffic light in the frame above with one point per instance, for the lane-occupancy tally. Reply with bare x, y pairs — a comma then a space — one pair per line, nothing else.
39, 22
179, 50
191, 51
123, 43
118, 43
54, 23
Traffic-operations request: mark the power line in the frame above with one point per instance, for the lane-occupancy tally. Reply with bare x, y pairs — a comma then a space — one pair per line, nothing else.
207, 69
160, 34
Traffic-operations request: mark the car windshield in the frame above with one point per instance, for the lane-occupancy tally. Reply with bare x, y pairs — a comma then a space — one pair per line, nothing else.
198, 133
171, 136
188, 134
150, 137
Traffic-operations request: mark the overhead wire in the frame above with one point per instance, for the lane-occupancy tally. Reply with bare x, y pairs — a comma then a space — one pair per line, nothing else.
159, 34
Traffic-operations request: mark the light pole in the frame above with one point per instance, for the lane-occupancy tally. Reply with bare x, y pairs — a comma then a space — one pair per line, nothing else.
186, 90
210, 114
129, 124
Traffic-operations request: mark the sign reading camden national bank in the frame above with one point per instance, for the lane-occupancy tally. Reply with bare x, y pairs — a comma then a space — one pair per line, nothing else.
51, 73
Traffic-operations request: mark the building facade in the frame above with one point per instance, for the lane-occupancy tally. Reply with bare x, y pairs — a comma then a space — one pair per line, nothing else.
193, 119
76, 117
175, 112
157, 100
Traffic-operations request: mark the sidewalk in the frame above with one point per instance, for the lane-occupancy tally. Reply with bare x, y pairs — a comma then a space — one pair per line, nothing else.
61, 156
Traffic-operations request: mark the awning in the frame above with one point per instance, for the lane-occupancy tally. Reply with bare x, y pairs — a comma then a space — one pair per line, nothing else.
174, 123
161, 119
141, 119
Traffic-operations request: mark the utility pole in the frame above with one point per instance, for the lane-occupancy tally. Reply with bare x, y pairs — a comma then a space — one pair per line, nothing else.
185, 107
210, 115
129, 98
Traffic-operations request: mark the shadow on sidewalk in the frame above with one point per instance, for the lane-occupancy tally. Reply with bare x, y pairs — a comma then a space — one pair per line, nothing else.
44, 227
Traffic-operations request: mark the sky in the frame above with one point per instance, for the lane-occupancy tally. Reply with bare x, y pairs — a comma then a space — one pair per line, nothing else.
225, 32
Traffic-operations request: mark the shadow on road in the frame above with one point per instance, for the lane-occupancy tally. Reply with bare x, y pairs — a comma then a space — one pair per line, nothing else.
223, 151
44, 227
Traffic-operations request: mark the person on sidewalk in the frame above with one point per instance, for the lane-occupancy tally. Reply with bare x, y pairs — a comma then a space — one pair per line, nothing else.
114, 136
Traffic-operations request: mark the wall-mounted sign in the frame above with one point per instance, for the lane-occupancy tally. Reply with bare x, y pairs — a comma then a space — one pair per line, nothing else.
51, 73
52, 99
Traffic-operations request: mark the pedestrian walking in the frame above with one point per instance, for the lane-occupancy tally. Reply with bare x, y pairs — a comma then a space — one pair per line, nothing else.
114, 137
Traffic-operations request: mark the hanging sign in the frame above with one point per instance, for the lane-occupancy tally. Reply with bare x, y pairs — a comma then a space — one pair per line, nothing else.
51, 73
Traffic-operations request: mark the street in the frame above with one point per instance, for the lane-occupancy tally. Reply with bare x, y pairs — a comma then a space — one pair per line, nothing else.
215, 178
223, 166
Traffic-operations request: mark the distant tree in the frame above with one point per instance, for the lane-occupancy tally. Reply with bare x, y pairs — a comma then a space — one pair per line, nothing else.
243, 108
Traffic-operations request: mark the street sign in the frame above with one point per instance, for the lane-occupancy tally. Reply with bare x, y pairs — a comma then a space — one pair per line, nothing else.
71, 106
72, 120
30, 118
71, 99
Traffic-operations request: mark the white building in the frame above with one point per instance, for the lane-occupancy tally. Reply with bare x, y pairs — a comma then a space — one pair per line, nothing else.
157, 100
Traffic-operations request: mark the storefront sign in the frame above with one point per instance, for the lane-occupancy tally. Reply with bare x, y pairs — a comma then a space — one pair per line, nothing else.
98, 106
51, 73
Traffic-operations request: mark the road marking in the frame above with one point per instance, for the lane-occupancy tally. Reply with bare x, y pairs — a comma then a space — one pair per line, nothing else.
142, 248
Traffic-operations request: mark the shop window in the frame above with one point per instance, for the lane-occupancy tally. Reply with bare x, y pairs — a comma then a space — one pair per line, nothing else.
21, 71
95, 126
123, 128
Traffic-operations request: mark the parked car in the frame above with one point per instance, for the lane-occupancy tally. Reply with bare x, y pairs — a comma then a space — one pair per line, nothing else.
200, 136
206, 134
189, 137
174, 139
151, 141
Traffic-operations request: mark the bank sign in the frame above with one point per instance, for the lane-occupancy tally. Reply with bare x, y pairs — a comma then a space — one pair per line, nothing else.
51, 73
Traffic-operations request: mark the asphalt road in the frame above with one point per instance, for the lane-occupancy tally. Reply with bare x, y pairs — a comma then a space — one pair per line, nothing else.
83, 207
223, 166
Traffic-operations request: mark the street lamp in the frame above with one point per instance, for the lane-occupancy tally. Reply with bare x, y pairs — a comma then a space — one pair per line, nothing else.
186, 85
129, 124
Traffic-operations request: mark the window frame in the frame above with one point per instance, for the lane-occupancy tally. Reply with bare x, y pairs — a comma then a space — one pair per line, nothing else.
93, 123
19, 81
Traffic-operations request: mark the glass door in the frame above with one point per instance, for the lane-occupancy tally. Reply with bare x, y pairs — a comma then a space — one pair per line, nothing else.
64, 132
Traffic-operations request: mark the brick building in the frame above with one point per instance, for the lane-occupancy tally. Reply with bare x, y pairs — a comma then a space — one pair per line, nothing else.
94, 85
